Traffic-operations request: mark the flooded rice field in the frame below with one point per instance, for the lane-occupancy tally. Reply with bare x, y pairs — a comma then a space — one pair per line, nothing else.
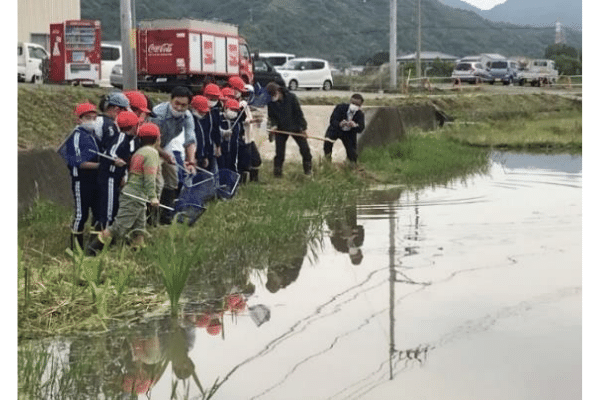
468, 291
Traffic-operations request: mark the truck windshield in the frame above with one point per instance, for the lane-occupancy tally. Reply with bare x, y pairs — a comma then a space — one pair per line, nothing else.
499, 65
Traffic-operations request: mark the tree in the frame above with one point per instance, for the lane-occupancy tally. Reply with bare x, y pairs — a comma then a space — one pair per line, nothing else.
566, 58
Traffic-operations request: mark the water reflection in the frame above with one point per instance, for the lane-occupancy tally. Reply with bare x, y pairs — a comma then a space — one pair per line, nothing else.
476, 270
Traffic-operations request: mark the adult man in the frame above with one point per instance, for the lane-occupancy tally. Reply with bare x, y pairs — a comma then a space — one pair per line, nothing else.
346, 121
285, 115
172, 117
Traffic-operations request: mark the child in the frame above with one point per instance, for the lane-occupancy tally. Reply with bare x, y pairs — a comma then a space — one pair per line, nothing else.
203, 128
141, 183
106, 129
111, 174
231, 137
213, 94
80, 151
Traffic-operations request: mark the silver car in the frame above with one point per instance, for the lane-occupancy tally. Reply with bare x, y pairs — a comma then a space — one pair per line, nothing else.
472, 72
116, 76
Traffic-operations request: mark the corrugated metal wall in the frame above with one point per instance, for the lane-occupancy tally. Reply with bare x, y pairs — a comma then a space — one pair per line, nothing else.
35, 17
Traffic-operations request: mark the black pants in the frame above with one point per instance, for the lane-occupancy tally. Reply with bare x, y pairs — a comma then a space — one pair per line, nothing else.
349, 141
280, 141
86, 196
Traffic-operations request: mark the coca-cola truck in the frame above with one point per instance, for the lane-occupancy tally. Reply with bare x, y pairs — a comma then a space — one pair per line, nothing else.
173, 52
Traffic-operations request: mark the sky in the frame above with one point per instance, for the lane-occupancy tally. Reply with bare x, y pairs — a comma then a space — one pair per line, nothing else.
484, 4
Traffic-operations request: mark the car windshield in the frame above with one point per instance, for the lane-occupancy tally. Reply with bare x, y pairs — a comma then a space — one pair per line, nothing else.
499, 64
463, 67
293, 65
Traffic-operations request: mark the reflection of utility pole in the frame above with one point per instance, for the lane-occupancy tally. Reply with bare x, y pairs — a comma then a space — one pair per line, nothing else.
392, 256
393, 38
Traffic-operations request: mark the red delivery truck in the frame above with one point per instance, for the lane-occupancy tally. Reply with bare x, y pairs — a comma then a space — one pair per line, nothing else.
173, 52
75, 52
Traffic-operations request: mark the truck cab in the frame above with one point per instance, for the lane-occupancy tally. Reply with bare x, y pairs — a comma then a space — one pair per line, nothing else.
29, 62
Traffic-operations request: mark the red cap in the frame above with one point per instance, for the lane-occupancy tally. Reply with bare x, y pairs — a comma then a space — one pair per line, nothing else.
212, 90
137, 100
214, 329
227, 93
85, 108
126, 119
237, 83
232, 104
200, 104
148, 129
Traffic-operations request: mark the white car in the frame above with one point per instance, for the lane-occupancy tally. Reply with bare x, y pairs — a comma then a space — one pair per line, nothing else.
29, 62
306, 73
112, 55
277, 59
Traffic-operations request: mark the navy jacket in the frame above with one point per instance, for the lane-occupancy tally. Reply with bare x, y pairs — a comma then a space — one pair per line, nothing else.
340, 113
286, 113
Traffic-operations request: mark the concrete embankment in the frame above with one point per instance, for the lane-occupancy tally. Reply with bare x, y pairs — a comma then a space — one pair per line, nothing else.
42, 173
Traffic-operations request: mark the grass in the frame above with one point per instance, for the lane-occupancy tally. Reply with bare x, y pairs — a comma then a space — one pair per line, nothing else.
273, 221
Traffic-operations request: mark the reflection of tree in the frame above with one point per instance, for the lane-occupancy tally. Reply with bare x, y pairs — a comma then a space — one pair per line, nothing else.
345, 234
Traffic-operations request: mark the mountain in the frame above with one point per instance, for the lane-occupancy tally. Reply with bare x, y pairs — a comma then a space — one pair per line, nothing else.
343, 33
530, 12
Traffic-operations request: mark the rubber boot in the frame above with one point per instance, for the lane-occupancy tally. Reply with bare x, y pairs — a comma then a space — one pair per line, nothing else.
77, 239
245, 177
253, 174
167, 198
94, 247
277, 172
307, 165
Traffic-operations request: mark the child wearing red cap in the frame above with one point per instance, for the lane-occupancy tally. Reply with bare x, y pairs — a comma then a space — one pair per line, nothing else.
80, 152
233, 156
139, 189
112, 170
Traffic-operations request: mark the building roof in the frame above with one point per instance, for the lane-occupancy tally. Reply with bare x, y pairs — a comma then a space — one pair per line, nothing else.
427, 55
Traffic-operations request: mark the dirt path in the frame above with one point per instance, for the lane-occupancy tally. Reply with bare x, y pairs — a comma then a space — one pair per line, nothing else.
317, 118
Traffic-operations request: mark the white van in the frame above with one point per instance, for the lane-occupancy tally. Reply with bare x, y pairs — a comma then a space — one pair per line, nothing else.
277, 59
29, 62
307, 73
112, 54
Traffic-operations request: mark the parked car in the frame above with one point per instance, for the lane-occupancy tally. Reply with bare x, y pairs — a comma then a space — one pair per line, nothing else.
265, 72
505, 71
277, 59
307, 73
116, 76
471, 72
112, 54
30, 57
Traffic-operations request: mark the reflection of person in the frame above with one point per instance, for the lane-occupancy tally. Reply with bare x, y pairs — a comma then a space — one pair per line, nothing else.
281, 274
285, 115
346, 235
346, 121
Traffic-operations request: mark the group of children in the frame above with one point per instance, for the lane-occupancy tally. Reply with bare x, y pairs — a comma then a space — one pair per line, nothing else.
117, 155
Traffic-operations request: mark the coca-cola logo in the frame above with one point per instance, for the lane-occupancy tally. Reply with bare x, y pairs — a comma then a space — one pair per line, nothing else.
160, 49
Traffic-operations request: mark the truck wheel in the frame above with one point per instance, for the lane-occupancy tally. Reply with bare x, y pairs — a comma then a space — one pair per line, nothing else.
327, 85
293, 85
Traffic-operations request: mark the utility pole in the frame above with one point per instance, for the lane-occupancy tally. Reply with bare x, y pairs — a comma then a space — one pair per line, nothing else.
393, 38
419, 42
128, 46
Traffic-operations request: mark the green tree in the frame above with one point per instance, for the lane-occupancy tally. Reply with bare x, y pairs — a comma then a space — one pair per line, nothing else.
566, 58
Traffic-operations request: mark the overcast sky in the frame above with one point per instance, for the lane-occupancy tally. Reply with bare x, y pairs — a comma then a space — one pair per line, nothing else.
484, 4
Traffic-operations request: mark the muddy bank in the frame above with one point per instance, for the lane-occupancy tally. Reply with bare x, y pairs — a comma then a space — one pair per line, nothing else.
43, 173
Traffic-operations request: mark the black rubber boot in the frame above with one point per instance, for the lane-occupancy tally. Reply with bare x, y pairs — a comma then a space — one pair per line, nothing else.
167, 198
253, 174
307, 165
94, 247
277, 172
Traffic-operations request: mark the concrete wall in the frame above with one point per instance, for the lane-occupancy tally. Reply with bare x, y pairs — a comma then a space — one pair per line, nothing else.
43, 173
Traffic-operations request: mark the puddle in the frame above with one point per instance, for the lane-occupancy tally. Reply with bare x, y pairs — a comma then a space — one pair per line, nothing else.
472, 290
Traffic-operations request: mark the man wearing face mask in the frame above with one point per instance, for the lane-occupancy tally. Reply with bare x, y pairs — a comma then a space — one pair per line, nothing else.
346, 121
172, 117
285, 114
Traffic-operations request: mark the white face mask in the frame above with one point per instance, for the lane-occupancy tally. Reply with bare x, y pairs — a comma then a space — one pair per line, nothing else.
353, 107
230, 114
176, 113
88, 125
212, 103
